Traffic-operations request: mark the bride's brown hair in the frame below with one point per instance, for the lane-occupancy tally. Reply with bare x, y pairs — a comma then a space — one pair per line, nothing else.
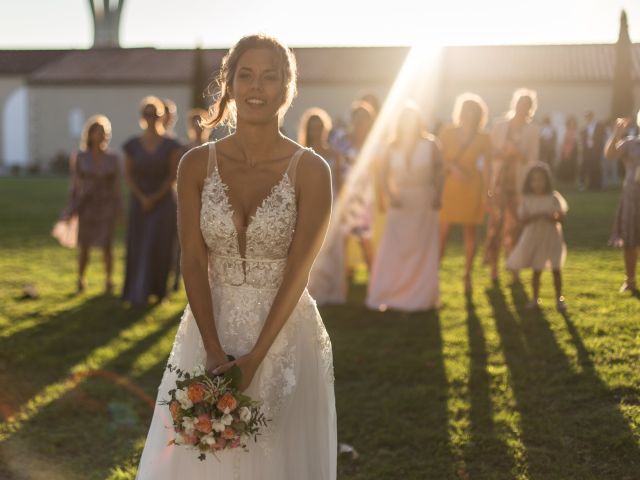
223, 109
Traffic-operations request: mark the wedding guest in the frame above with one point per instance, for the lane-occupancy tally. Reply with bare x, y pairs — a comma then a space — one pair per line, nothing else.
339, 131
327, 280
516, 143
95, 196
626, 231
466, 150
405, 271
593, 138
610, 176
373, 101
541, 245
358, 204
170, 117
196, 133
568, 164
313, 131
548, 140
151, 159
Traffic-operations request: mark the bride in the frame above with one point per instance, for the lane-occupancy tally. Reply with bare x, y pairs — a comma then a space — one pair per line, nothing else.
253, 209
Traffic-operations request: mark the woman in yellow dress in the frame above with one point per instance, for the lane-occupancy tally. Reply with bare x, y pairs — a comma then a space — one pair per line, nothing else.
466, 150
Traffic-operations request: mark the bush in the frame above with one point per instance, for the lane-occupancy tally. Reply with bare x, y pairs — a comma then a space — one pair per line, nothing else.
59, 164
33, 169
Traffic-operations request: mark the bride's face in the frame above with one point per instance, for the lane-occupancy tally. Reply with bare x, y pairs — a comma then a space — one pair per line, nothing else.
258, 86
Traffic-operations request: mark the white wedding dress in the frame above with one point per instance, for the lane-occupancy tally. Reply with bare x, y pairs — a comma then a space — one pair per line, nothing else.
295, 380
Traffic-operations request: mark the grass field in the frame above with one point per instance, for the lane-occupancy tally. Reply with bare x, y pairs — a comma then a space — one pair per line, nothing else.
480, 390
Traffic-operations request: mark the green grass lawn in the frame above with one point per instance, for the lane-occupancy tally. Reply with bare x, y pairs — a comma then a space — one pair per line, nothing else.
484, 390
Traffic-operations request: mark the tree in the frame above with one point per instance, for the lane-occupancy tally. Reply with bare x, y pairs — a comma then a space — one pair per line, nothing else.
622, 104
199, 80
106, 22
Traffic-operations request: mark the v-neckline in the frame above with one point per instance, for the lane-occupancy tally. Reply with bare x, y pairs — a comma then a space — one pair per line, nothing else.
250, 218
242, 233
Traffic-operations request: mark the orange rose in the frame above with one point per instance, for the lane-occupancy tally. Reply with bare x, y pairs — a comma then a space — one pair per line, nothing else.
196, 392
203, 423
174, 408
227, 403
228, 434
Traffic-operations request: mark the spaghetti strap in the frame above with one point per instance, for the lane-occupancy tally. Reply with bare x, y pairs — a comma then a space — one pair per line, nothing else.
213, 160
293, 164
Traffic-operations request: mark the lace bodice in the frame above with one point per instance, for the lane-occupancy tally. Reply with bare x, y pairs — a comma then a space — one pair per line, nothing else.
267, 236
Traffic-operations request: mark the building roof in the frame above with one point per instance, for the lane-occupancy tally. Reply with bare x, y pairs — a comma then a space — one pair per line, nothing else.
148, 65
121, 66
24, 62
539, 63
521, 63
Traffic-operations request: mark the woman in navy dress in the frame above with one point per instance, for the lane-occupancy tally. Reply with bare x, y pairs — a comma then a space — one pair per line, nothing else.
151, 161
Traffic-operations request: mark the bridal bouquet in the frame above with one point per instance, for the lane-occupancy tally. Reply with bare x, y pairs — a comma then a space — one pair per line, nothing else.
209, 412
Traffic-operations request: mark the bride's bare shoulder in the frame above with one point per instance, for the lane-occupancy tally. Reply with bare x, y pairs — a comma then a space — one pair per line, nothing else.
193, 165
312, 168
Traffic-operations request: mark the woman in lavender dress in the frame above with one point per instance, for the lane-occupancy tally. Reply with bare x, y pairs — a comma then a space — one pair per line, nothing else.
626, 231
151, 160
94, 196
327, 280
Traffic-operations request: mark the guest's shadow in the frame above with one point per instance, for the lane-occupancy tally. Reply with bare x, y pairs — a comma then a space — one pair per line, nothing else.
486, 455
391, 394
571, 423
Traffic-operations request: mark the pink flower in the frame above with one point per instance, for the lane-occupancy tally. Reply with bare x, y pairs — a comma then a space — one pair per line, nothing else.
235, 443
203, 423
190, 439
219, 445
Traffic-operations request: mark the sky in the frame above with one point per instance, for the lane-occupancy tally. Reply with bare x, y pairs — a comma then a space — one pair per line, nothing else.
220, 23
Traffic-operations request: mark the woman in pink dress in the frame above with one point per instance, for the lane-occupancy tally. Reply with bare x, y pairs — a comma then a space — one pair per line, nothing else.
95, 196
516, 144
405, 270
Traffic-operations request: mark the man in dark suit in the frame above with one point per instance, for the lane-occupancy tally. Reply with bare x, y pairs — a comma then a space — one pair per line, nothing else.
593, 137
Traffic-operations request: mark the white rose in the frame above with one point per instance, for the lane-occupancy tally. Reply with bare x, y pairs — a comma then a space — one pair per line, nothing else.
199, 370
183, 397
208, 439
227, 419
217, 425
179, 439
189, 424
244, 414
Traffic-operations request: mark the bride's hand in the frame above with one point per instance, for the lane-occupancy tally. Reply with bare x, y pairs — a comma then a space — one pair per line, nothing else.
215, 361
248, 366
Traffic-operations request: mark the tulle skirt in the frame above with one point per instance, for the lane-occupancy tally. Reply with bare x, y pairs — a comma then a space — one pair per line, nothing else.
294, 382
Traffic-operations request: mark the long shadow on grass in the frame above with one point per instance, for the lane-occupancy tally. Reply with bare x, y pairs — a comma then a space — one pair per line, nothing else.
39, 356
486, 456
571, 425
391, 393
101, 417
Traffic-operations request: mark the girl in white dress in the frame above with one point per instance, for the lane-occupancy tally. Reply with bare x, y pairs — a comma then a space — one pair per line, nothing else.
253, 209
405, 271
541, 244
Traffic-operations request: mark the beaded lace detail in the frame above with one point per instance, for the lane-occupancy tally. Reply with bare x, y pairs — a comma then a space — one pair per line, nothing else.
244, 288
